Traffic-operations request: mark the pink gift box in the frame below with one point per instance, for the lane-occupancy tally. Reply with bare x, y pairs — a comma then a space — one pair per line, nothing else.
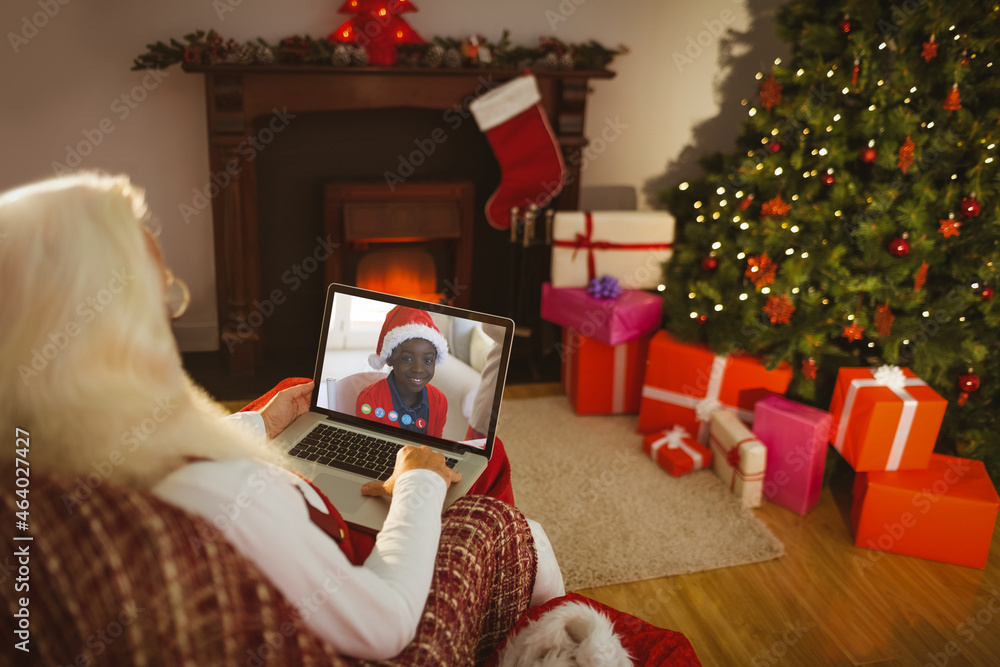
795, 436
611, 321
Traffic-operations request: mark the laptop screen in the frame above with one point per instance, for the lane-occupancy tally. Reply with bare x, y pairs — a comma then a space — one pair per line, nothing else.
389, 363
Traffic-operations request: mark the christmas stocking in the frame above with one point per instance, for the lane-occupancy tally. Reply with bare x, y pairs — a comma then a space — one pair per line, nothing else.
531, 165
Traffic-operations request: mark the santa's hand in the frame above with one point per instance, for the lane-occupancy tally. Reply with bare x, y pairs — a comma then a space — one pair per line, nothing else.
286, 406
412, 458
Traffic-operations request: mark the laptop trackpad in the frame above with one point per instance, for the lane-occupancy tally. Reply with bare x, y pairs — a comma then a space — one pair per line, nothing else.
345, 494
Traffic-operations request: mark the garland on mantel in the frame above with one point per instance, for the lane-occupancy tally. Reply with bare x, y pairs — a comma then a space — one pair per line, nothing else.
210, 48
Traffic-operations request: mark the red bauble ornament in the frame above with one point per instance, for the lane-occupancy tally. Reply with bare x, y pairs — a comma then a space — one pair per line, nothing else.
967, 383
899, 247
709, 263
970, 206
827, 179
868, 154
773, 146
986, 293
702, 319
845, 24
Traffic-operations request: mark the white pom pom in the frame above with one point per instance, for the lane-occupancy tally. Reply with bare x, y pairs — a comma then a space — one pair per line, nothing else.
375, 362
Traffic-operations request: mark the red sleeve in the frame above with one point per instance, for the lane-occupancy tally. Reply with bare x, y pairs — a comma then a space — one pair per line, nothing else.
438, 411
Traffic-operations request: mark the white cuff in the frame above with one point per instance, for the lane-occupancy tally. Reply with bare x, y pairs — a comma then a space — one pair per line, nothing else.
548, 577
250, 423
503, 103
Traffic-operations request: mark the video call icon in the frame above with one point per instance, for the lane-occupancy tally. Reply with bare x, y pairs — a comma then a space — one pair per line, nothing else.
380, 412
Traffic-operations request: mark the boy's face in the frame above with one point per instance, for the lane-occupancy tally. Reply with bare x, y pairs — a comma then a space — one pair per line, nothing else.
413, 361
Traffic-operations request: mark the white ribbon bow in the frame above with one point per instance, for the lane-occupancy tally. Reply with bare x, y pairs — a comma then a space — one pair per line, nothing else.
891, 377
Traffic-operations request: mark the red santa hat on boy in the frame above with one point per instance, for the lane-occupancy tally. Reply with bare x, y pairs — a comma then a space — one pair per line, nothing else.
402, 324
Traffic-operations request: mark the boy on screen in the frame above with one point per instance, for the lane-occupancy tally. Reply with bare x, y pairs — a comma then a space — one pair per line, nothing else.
412, 346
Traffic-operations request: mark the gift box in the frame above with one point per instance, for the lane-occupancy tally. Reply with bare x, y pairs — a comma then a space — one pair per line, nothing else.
738, 457
676, 451
885, 418
602, 379
611, 321
795, 436
629, 245
946, 512
685, 383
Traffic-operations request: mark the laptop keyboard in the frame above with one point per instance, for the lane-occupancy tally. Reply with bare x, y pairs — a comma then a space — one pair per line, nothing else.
350, 451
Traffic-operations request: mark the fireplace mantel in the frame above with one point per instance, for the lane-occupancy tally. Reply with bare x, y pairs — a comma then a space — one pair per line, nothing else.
236, 94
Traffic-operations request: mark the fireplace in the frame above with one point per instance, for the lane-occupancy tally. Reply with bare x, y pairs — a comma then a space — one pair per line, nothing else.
273, 215
411, 239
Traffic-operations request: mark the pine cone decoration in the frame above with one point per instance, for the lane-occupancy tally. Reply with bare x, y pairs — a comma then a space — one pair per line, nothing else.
550, 60
263, 54
566, 61
434, 55
359, 56
452, 58
341, 55
243, 54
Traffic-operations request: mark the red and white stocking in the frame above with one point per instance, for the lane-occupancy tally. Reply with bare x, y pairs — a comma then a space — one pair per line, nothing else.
532, 170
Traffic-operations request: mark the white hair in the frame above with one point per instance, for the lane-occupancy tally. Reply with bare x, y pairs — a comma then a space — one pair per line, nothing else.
88, 363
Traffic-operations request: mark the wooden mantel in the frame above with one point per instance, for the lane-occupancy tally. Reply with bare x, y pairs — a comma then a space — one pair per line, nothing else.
237, 94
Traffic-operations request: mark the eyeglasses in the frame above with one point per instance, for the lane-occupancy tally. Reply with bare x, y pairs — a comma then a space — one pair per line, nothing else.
178, 296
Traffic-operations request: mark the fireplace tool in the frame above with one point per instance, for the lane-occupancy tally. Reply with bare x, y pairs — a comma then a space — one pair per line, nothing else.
531, 249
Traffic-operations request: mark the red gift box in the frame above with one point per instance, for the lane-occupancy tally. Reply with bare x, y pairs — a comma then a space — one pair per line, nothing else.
945, 513
676, 451
602, 379
885, 418
685, 383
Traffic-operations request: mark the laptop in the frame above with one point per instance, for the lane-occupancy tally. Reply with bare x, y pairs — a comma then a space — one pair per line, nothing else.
326, 443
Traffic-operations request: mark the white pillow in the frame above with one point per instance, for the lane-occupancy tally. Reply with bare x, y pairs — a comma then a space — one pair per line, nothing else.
479, 348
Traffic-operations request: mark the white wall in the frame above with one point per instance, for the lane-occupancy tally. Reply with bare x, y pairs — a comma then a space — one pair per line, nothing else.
63, 86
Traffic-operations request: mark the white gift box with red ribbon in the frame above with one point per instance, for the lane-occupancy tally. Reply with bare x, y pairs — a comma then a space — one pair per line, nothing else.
631, 246
738, 457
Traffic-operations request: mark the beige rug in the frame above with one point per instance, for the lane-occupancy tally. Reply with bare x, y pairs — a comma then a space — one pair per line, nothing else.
613, 516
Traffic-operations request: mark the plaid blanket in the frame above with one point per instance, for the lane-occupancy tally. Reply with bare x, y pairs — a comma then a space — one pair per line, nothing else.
126, 579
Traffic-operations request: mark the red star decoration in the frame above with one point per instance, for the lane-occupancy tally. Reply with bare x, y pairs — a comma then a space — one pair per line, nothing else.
853, 331
809, 369
779, 309
905, 155
949, 227
920, 277
884, 319
930, 49
761, 270
770, 93
776, 207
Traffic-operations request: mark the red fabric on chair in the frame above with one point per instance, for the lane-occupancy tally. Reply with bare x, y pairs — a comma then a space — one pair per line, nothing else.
645, 643
256, 405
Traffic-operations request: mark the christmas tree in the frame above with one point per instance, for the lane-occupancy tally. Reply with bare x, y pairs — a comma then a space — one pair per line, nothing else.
858, 222
377, 27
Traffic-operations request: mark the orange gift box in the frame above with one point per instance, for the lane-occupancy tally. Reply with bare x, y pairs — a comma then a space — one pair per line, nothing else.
676, 451
685, 383
885, 418
602, 379
944, 513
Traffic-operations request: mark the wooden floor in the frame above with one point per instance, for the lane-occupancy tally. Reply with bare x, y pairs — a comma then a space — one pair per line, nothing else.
825, 602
